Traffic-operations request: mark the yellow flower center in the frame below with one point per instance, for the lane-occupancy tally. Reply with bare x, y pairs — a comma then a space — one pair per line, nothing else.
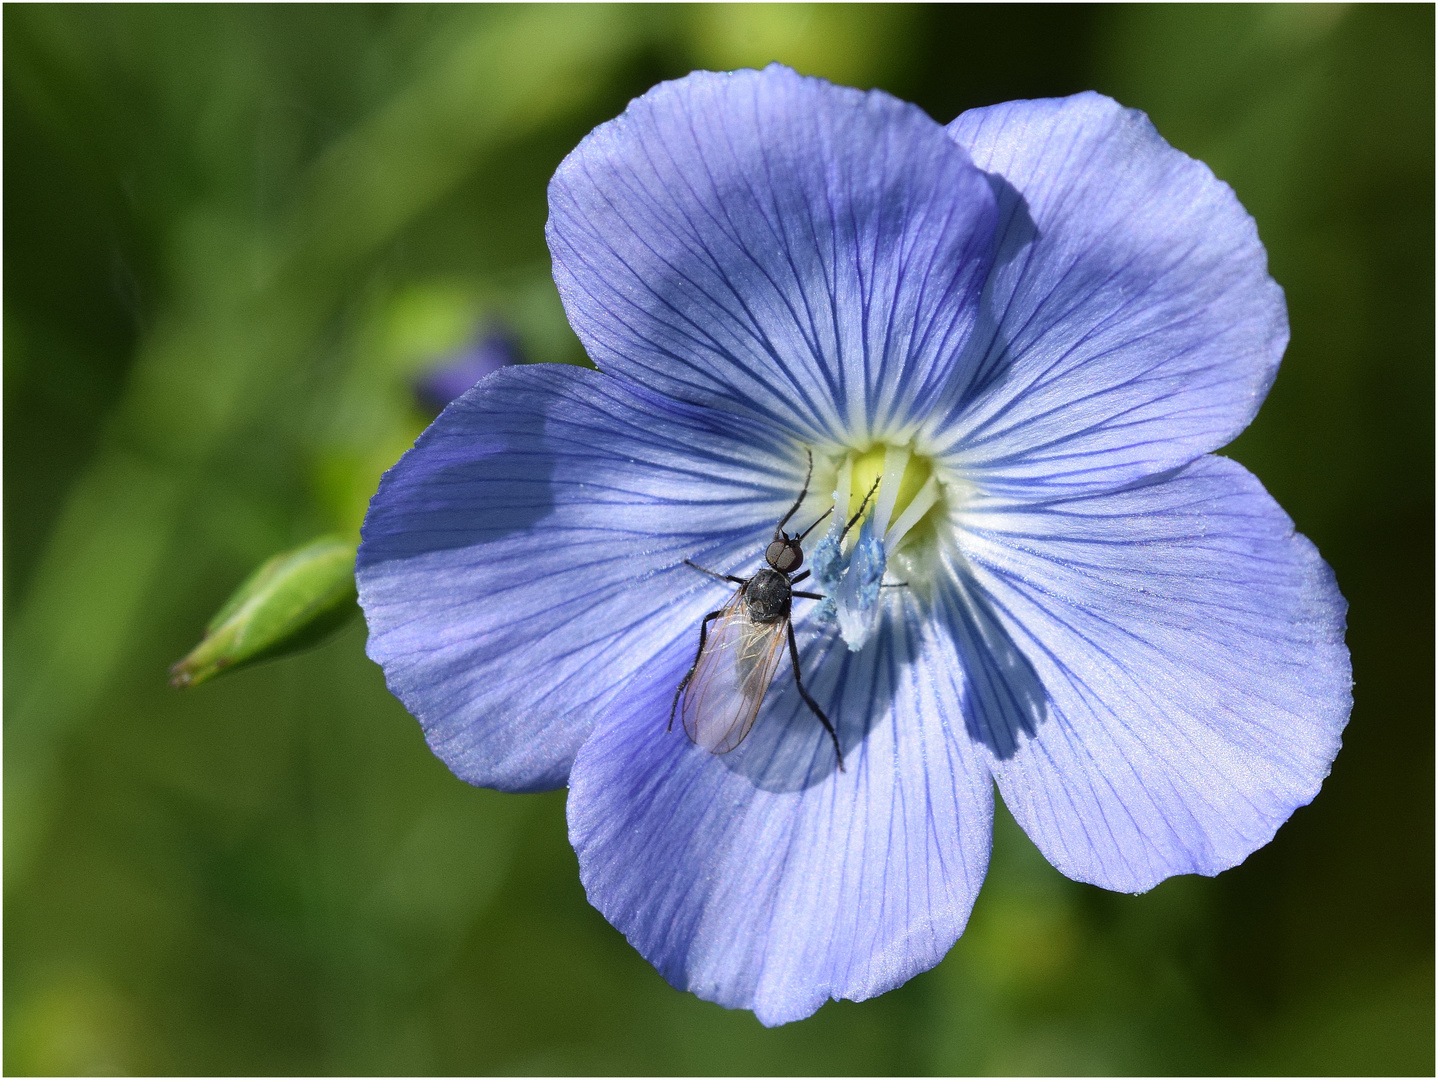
902, 475
910, 502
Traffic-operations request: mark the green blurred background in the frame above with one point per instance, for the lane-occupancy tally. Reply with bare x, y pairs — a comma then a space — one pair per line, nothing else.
233, 236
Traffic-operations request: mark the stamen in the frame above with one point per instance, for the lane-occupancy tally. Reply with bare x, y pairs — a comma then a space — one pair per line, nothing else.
842, 485
891, 491
921, 504
908, 489
896, 460
901, 489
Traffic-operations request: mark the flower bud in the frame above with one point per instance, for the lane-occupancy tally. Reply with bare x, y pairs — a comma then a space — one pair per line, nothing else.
293, 601
493, 350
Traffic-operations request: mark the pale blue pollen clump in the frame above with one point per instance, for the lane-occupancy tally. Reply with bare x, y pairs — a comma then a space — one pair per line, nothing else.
857, 598
851, 580
828, 563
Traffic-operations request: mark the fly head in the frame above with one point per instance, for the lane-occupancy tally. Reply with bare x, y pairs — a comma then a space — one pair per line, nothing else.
784, 554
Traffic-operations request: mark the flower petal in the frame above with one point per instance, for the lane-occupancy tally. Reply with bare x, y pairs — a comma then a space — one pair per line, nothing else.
1189, 645
1129, 325
760, 240
764, 878
526, 557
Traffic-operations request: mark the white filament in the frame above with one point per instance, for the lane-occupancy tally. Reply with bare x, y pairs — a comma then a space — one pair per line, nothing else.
842, 484
922, 502
896, 460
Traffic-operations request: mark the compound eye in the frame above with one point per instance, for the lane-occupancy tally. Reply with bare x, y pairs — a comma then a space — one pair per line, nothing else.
784, 555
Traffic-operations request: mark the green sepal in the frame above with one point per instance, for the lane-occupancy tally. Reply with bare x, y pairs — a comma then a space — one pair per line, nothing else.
293, 601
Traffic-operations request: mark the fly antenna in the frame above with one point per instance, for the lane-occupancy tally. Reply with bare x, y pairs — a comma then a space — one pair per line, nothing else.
860, 512
808, 473
816, 524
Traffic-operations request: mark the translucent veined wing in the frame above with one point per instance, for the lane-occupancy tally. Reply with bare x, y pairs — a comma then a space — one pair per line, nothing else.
731, 677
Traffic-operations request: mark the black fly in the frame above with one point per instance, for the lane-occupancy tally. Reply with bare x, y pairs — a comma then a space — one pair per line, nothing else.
735, 663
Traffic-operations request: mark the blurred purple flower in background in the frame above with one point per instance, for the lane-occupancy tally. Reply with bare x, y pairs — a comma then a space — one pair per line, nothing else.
493, 348
1031, 329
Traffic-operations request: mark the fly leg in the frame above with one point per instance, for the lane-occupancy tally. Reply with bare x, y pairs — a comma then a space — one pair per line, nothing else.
794, 655
806, 595
703, 633
716, 574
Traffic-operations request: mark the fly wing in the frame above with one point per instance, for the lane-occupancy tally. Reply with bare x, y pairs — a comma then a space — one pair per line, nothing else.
733, 673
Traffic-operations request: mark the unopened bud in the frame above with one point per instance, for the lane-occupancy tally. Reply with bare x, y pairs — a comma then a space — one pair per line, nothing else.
492, 350
293, 601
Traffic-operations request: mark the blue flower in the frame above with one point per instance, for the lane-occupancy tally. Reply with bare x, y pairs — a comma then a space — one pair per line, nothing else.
1031, 328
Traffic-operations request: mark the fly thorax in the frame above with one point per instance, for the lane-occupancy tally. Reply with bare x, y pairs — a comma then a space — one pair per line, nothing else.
767, 596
